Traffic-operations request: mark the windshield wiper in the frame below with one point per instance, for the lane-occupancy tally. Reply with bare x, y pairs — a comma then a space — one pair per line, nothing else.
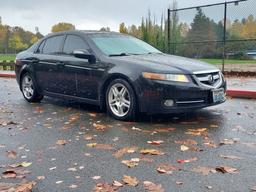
122, 54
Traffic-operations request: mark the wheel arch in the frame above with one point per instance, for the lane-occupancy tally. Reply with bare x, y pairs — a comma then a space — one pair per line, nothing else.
111, 78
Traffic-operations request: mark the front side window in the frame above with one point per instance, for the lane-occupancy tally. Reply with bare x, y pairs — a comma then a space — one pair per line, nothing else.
72, 43
116, 45
53, 45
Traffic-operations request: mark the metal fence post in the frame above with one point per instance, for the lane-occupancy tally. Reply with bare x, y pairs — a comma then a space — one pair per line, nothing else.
224, 37
168, 31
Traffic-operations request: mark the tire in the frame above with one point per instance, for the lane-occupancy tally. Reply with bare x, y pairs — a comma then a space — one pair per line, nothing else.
29, 88
121, 100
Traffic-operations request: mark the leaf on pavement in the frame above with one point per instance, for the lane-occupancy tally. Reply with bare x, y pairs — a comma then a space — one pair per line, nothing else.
230, 157
228, 141
184, 148
99, 126
164, 130
152, 187
125, 150
100, 146
96, 177
117, 184
253, 188
25, 187
226, 169
104, 187
132, 181
61, 142
158, 142
9, 174
186, 160
196, 132
88, 137
151, 152
166, 168
11, 154
186, 142
204, 170
25, 164
131, 163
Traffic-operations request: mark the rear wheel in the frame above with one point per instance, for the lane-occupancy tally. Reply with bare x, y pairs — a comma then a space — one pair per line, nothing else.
120, 100
28, 88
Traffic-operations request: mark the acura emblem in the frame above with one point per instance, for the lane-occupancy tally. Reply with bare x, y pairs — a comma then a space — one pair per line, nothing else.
210, 79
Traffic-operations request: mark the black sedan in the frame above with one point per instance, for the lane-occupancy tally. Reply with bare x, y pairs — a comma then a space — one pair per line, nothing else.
118, 72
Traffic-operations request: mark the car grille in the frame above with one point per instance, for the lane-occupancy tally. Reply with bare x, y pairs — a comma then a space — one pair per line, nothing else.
210, 78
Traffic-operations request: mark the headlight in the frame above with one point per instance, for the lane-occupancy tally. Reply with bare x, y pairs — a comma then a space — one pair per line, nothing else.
166, 77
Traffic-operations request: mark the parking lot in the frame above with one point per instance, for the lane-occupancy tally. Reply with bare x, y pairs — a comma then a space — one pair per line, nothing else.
67, 146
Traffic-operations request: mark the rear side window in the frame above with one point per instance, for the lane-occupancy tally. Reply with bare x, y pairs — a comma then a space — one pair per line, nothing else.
53, 45
72, 43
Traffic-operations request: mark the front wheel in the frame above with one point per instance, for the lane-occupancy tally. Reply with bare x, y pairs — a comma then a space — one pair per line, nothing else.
29, 90
121, 100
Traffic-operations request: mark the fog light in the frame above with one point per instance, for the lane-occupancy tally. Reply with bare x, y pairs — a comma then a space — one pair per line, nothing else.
169, 103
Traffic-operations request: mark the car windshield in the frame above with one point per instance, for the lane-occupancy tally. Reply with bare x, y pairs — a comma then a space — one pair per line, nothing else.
123, 46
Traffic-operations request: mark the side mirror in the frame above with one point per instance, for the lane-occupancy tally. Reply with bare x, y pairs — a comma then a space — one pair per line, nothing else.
84, 54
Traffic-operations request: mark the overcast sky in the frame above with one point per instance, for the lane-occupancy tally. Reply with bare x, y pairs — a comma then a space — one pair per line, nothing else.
94, 14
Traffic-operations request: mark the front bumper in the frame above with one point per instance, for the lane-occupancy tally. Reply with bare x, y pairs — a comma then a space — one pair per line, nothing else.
186, 96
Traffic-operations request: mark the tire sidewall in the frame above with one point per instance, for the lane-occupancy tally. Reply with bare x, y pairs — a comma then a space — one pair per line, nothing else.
132, 111
35, 96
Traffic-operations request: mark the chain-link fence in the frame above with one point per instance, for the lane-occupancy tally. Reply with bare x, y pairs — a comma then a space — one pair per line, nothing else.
223, 34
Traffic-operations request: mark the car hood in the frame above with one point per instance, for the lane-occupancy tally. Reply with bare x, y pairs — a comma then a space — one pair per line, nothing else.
168, 63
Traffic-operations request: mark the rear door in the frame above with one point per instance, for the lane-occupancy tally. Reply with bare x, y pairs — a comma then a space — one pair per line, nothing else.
50, 66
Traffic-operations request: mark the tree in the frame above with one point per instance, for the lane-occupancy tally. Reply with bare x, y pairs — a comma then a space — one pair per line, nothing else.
122, 28
16, 44
105, 29
62, 27
201, 30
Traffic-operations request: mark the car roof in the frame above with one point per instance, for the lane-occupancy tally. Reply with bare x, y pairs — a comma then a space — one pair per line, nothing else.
83, 32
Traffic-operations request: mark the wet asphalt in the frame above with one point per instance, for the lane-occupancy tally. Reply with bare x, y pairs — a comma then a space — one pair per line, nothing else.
34, 129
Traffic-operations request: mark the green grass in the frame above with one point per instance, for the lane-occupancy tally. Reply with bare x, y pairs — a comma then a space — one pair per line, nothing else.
9, 57
229, 61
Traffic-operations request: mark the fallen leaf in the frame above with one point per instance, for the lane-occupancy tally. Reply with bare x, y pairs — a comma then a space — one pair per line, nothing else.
186, 142
92, 114
179, 183
104, 187
40, 177
73, 169
11, 154
100, 146
184, 148
230, 157
186, 160
96, 177
52, 168
253, 188
204, 170
117, 184
130, 163
151, 152
72, 186
152, 187
9, 174
59, 182
61, 142
132, 181
99, 126
166, 168
91, 144
88, 137
196, 132
25, 164
226, 169
25, 187
155, 142
125, 150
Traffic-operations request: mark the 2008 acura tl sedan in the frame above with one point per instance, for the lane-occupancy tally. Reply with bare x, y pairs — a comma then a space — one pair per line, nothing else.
118, 72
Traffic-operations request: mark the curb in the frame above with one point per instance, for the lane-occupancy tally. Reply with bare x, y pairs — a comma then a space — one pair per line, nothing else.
230, 93
242, 94
7, 75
